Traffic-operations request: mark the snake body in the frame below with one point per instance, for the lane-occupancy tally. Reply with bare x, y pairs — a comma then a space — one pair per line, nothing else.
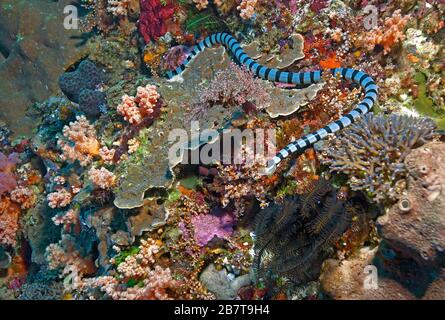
364, 80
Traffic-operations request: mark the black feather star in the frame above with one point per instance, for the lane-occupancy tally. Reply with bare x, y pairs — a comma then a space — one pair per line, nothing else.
293, 238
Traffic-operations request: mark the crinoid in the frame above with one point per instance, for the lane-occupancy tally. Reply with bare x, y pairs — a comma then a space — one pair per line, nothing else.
294, 238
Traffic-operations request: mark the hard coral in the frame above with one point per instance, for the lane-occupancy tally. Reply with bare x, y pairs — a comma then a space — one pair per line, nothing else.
152, 21
81, 86
86, 76
372, 152
415, 226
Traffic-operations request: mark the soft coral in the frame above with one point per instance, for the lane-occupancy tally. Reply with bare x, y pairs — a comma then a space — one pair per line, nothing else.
152, 21
7, 178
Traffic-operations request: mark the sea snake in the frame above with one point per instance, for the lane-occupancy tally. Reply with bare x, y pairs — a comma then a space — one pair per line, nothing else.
364, 80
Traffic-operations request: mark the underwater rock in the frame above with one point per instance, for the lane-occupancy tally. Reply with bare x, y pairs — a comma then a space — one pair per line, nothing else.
344, 280
101, 221
154, 170
40, 231
415, 226
5, 258
36, 49
219, 283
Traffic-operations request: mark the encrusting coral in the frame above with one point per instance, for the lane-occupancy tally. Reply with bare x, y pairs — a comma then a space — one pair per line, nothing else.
371, 152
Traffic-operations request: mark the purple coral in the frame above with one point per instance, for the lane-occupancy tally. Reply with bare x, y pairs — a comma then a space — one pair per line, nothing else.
7, 179
208, 226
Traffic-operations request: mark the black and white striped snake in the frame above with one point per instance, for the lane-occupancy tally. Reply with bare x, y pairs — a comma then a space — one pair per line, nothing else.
364, 80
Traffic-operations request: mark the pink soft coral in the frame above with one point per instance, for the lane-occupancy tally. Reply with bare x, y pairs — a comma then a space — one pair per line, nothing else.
59, 199
247, 8
201, 4
82, 144
23, 196
157, 283
102, 178
135, 109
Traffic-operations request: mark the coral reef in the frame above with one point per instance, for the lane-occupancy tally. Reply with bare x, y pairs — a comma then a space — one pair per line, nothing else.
111, 189
415, 225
